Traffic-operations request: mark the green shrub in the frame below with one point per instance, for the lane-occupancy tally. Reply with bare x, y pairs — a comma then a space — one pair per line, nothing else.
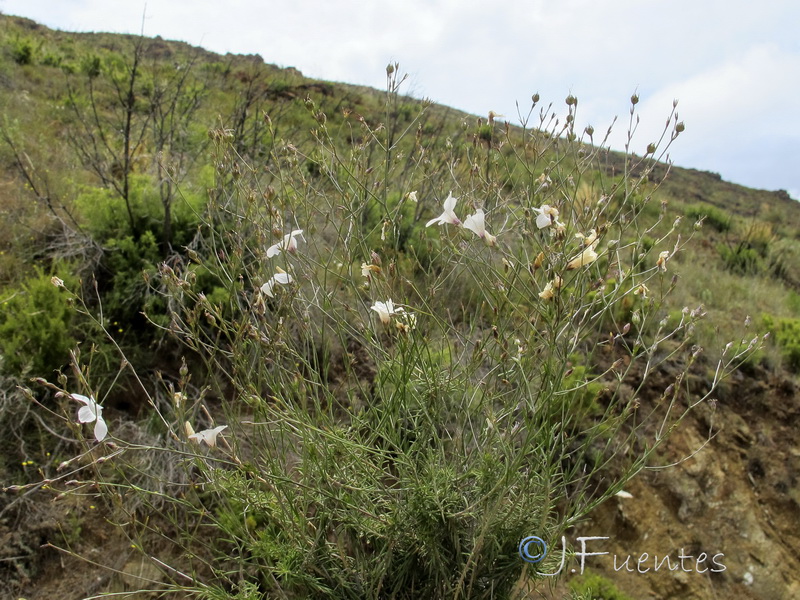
711, 215
783, 258
786, 334
741, 258
126, 266
22, 51
593, 586
36, 326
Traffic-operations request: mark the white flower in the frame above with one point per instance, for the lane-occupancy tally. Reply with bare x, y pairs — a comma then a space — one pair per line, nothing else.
209, 436
92, 412
288, 243
586, 257
281, 277
448, 216
476, 224
385, 310
412, 196
547, 215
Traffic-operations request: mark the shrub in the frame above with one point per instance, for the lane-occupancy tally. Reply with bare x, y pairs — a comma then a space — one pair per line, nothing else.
22, 51
786, 334
783, 258
741, 258
711, 215
593, 586
36, 327
364, 424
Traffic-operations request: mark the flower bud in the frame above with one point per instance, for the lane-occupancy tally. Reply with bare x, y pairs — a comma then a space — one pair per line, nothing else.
571, 100
535, 98
635, 99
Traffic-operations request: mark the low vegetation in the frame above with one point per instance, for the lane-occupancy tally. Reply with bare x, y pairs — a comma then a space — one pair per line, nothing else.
345, 343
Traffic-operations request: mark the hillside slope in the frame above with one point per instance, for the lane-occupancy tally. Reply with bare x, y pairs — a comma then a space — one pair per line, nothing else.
105, 182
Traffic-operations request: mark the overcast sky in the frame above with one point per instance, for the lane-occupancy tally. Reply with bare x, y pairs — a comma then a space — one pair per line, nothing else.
734, 65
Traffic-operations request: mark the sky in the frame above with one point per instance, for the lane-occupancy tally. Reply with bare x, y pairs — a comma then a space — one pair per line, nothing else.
732, 65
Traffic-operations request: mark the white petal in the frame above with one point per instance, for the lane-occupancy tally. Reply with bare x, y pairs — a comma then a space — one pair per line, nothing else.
440, 220
288, 243
278, 278
267, 288
450, 203
475, 223
543, 220
82, 398
100, 429
86, 414
209, 436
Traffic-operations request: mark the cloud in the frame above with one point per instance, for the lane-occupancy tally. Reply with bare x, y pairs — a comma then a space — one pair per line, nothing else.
729, 63
736, 113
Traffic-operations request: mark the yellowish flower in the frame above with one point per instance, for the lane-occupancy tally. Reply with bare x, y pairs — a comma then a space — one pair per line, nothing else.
367, 270
550, 289
662, 260
587, 257
406, 322
589, 239
544, 181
